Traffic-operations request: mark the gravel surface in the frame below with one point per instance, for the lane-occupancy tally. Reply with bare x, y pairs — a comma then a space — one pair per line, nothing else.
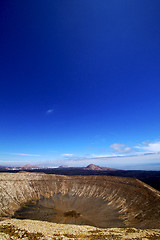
29, 230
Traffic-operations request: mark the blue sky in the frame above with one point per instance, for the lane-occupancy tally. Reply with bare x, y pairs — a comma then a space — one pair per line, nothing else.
80, 83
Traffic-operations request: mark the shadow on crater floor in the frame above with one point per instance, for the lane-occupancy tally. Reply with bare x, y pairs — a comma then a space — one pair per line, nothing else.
71, 210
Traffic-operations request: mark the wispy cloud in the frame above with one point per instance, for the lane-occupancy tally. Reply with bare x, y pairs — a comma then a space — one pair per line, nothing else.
12, 161
143, 148
99, 155
49, 111
149, 147
25, 154
119, 148
67, 154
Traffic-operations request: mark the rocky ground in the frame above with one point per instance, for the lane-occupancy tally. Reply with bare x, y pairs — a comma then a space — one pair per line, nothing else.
29, 230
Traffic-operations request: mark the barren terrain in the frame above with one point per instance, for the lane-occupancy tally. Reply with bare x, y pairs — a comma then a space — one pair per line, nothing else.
28, 230
102, 202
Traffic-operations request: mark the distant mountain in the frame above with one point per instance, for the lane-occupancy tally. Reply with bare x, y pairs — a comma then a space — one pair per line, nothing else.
63, 166
91, 167
28, 166
98, 168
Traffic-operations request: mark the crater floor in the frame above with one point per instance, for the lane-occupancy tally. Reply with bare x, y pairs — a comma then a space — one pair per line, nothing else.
71, 210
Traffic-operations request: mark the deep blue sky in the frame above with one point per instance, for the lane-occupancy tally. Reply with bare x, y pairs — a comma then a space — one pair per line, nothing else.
79, 80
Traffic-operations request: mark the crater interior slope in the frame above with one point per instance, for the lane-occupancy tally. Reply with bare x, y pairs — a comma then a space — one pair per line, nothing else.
100, 201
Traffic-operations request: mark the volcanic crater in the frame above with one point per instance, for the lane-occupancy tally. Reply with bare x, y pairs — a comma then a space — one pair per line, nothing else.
101, 201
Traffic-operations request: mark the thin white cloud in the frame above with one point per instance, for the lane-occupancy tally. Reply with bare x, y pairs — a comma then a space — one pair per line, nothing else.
100, 155
25, 154
152, 147
49, 111
67, 154
121, 148
12, 161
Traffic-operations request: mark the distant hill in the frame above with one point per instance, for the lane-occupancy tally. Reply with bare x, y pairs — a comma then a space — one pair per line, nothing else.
98, 168
28, 166
91, 167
